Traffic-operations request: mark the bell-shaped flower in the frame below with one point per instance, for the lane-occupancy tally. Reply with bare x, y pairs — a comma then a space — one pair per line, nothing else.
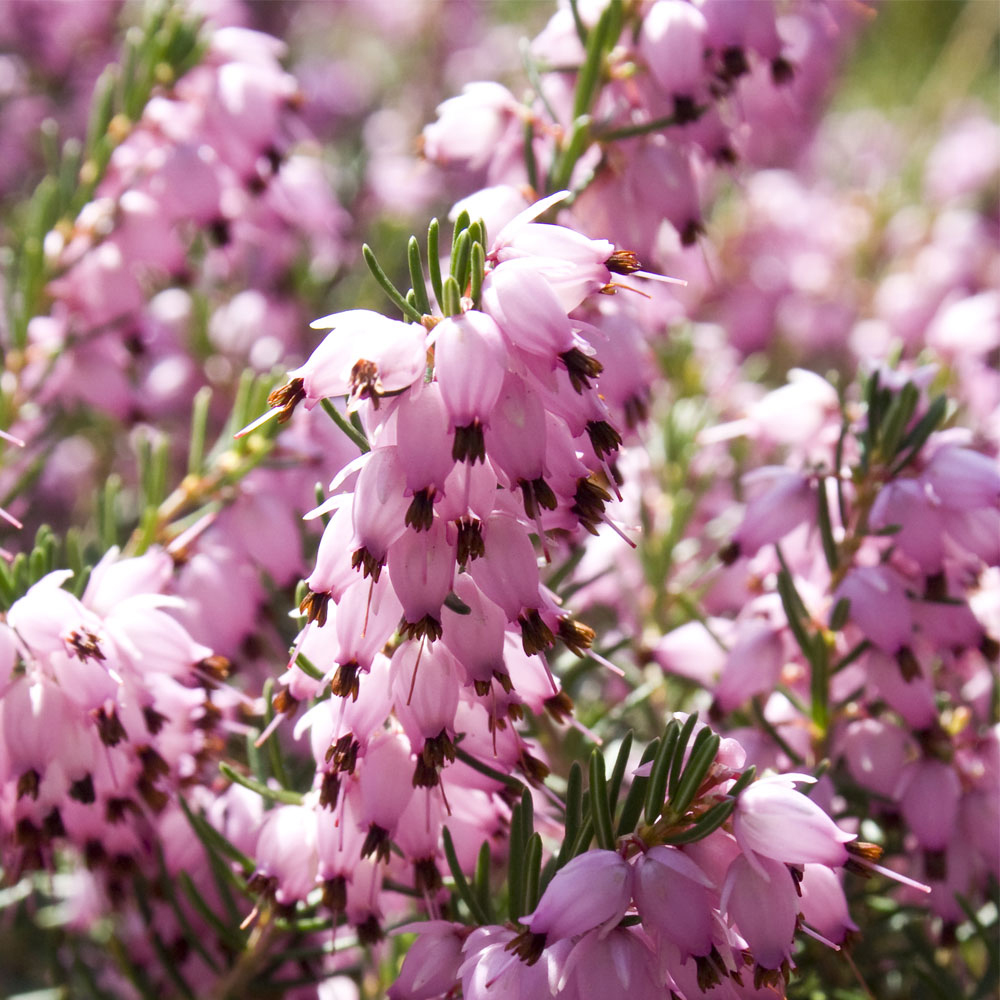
115, 579
907, 504
876, 752
431, 965
879, 605
780, 499
286, 851
469, 127
929, 796
422, 567
913, 697
364, 355
591, 891
752, 666
618, 964
425, 684
422, 445
963, 479
476, 639
675, 899
508, 571
762, 901
385, 787
823, 904
526, 310
379, 509
515, 437
773, 820
470, 359
672, 41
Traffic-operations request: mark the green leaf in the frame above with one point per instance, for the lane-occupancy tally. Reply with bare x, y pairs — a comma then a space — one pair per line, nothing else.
677, 757
702, 757
214, 842
839, 615
392, 292
226, 933
919, 433
825, 526
452, 305
460, 258
656, 787
618, 771
481, 881
819, 686
462, 886
600, 810
743, 781
476, 276
417, 277
434, 261
707, 823
574, 812
533, 871
199, 429
898, 415
632, 807
102, 108
338, 418
264, 791
589, 78
491, 772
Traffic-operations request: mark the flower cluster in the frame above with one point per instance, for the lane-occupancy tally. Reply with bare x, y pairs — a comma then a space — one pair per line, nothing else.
108, 707
717, 913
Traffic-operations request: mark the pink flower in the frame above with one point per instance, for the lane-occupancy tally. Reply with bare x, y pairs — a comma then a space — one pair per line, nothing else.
775, 821
432, 961
672, 42
879, 606
393, 357
675, 900
824, 906
760, 898
286, 851
591, 891
929, 796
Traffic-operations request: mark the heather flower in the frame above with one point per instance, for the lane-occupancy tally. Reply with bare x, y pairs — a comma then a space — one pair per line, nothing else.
773, 820
432, 961
591, 891
879, 606
675, 900
760, 898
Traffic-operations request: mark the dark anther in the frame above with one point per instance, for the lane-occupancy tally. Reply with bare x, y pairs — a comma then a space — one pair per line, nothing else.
581, 367
364, 381
420, 513
286, 398
603, 437
345, 681
427, 626
86, 645
469, 444
535, 634
82, 790
781, 70
370, 565
623, 262
314, 605
470, 540
376, 842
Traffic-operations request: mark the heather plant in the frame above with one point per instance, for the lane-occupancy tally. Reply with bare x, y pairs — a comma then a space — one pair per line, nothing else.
609, 608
